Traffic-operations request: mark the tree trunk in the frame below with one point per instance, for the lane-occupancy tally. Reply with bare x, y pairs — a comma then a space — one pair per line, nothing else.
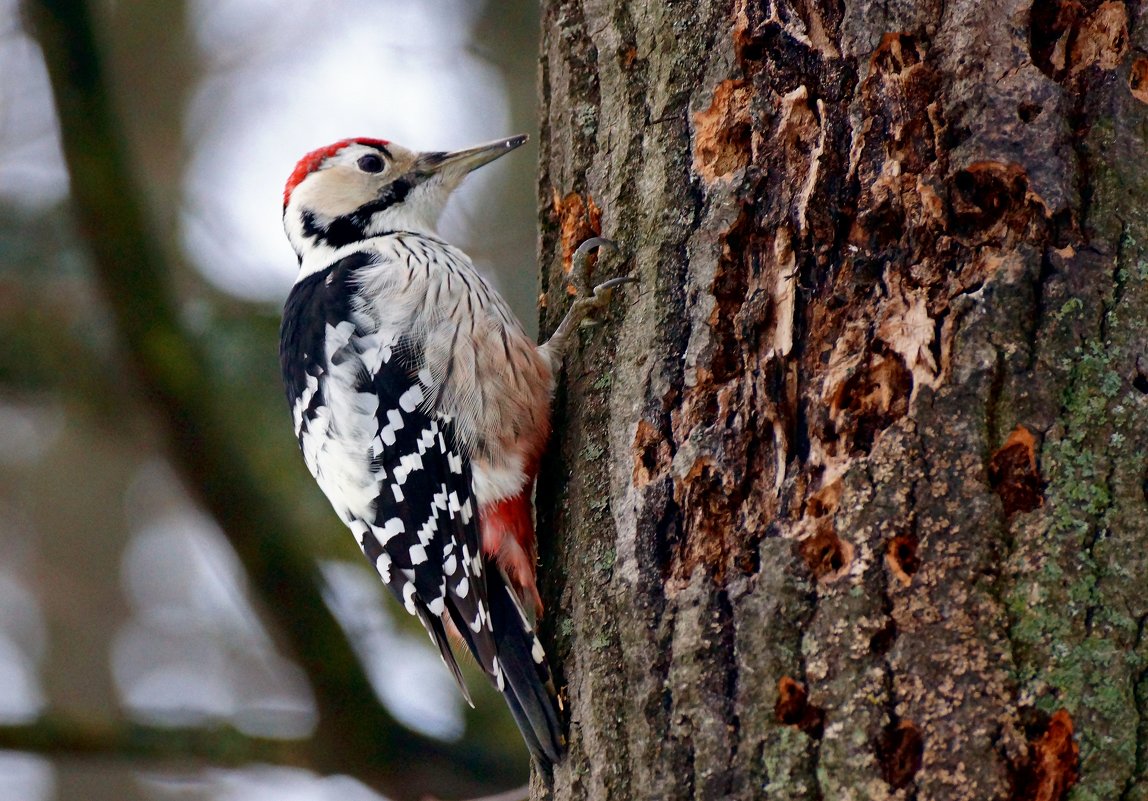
848, 496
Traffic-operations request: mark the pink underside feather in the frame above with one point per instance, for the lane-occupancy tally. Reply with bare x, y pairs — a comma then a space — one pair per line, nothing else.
508, 538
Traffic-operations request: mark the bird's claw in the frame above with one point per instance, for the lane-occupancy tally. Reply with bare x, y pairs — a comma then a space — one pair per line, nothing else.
595, 242
596, 298
589, 245
580, 263
587, 300
607, 286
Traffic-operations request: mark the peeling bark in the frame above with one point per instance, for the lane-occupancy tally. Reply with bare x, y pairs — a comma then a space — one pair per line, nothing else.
847, 499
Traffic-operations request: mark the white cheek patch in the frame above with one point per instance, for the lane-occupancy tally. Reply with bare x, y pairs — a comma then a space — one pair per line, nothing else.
334, 191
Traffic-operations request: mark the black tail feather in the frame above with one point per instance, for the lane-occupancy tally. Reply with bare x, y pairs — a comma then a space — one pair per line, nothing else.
526, 682
438, 636
528, 685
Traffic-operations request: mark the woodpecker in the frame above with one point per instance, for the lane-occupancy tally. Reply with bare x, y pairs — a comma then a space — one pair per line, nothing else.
421, 406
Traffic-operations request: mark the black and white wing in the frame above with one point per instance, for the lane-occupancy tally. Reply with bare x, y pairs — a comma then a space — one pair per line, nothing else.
393, 472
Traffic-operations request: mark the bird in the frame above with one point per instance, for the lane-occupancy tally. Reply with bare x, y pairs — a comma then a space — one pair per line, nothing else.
421, 406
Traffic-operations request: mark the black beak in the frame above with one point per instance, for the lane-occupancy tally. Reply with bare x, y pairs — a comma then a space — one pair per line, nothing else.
471, 158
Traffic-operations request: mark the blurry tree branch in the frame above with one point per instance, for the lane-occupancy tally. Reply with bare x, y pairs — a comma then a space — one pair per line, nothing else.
220, 745
517, 794
355, 734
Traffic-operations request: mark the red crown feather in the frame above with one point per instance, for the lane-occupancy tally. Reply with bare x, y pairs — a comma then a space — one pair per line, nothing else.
309, 163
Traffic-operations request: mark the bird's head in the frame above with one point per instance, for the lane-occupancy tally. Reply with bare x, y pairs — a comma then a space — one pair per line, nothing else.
358, 188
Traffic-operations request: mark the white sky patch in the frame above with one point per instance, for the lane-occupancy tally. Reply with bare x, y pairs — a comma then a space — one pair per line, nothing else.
32, 171
23, 641
280, 85
23, 619
264, 783
194, 649
26, 777
28, 431
21, 699
405, 670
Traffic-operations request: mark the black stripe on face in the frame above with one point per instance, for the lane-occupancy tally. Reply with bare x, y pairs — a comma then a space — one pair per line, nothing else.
394, 192
353, 227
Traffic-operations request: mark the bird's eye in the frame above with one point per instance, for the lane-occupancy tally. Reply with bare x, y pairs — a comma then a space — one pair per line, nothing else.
371, 163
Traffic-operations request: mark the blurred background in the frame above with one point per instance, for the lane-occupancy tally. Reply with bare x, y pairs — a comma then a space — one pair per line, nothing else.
121, 599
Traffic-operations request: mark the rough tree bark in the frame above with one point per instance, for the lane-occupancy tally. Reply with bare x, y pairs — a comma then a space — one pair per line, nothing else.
855, 504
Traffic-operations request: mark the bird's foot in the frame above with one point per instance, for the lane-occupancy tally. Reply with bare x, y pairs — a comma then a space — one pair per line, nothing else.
598, 297
589, 300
